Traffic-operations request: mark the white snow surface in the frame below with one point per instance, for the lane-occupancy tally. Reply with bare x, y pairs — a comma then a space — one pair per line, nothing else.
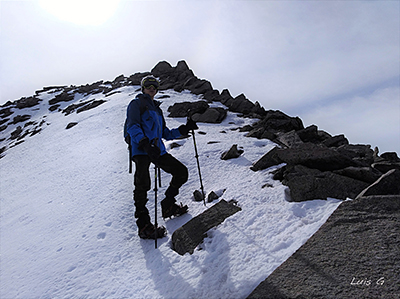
67, 215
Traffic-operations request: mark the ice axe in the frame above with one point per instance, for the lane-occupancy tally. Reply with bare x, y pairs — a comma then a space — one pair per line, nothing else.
197, 159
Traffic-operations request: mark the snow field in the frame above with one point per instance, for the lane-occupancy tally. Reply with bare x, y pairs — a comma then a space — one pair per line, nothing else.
67, 224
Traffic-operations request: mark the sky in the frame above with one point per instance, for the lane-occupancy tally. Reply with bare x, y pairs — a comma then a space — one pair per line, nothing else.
335, 64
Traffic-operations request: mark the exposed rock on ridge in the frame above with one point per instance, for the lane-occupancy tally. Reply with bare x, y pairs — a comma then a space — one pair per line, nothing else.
355, 254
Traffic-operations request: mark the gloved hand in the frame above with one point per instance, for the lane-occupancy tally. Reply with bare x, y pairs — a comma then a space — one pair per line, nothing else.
190, 125
152, 150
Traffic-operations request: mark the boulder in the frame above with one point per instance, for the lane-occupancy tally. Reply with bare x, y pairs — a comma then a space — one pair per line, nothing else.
308, 184
365, 174
306, 154
20, 118
232, 153
387, 184
289, 139
70, 125
310, 134
91, 105
335, 141
211, 115
27, 102
386, 162
186, 238
5, 112
240, 104
360, 153
211, 95
182, 109
277, 121
62, 97
161, 68
268, 160
16, 133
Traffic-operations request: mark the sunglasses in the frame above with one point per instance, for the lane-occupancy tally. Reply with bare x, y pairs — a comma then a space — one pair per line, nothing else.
150, 83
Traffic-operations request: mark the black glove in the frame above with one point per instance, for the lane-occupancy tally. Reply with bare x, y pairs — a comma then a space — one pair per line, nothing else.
190, 125
152, 150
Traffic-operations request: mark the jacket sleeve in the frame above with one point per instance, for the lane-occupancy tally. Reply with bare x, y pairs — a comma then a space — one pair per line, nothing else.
169, 134
133, 126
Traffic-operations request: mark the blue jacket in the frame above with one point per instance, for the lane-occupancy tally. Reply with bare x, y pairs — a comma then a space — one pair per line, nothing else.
145, 119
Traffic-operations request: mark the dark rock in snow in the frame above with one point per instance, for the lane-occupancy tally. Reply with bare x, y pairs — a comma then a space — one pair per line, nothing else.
211, 115
16, 133
27, 102
232, 153
5, 112
277, 121
198, 195
186, 238
91, 105
182, 109
308, 184
212, 196
307, 154
20, 118
70, 125
62, 97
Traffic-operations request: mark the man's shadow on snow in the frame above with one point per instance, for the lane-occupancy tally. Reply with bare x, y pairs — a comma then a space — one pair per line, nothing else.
214, 270
165, 283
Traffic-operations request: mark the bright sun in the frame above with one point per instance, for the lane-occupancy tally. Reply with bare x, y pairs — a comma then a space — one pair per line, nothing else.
81, 12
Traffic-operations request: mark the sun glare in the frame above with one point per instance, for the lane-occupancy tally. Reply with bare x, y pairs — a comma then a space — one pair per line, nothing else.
81, 12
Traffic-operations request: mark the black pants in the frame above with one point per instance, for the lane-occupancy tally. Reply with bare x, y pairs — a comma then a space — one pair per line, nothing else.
142, 180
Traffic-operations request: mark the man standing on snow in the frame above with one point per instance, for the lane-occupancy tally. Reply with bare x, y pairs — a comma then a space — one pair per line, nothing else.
145, 127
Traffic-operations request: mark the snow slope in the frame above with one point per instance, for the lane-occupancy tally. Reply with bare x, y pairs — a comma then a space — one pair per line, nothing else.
67, 224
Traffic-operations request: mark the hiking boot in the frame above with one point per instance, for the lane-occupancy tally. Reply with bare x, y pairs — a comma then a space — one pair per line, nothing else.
174, 210
149, 232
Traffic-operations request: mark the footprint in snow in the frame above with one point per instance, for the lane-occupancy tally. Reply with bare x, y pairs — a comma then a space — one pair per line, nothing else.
101, 236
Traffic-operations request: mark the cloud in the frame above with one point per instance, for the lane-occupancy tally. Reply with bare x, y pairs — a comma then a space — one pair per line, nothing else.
300, 57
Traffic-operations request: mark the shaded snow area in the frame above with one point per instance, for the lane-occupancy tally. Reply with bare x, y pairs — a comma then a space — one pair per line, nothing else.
67, 215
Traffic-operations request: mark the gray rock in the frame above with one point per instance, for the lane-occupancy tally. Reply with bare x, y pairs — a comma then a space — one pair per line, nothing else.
182, 109
268, 160
70, 125
211, 115
308, 184
335, 141
365, 174
289, 139
355, 254
385, 166
186, 238
387, 184
232, 153
315, 156
307, 154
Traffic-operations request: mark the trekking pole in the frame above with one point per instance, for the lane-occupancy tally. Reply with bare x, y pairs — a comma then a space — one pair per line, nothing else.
159, 177
155, 205
198, 163
130, 157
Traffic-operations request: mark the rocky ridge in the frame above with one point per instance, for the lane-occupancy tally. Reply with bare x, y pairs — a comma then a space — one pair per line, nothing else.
315, 165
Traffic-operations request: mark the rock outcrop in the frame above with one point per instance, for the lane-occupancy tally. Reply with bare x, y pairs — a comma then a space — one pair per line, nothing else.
355, 254
321, 167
